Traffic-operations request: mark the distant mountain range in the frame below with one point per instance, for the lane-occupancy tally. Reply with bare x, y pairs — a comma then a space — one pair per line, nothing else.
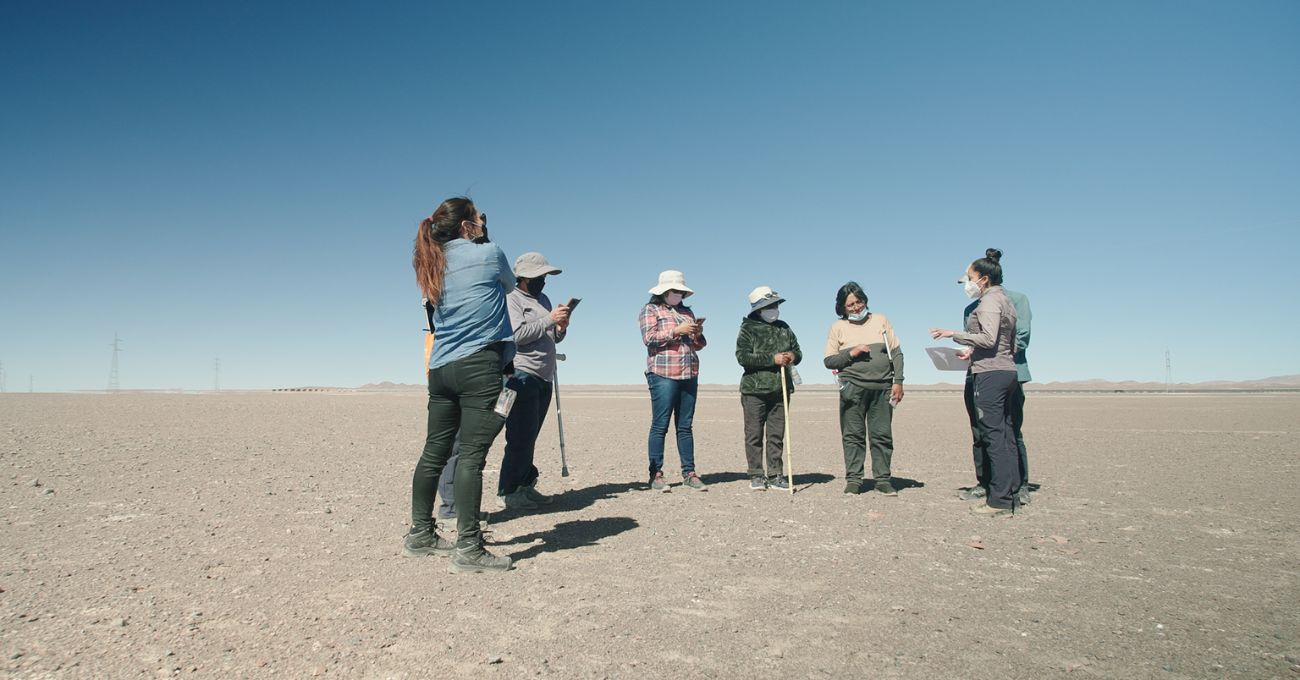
1280, 382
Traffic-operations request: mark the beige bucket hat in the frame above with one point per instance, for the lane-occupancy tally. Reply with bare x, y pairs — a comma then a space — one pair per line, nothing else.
671, 280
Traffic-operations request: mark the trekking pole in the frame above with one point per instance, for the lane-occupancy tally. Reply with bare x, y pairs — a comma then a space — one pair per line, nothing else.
785, 441
559, 418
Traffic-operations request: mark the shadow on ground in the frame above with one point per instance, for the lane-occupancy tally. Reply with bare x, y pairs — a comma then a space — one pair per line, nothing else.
573, 499
569, 535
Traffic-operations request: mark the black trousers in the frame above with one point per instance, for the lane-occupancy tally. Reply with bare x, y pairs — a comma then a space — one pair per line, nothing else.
532, 401
991, 396
978, 452
462, 395
764, 411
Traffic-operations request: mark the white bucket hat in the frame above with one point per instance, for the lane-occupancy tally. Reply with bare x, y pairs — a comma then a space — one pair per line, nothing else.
671, 280
533, 265
763, 297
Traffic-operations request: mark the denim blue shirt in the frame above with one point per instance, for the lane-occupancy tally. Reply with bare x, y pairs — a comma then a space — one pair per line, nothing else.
472, 312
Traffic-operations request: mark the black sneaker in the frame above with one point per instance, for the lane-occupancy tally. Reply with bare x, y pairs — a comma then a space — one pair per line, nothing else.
658, 483
757, 484
973, 493
425, 543
885, 488
779, 483
477, 559
853, 488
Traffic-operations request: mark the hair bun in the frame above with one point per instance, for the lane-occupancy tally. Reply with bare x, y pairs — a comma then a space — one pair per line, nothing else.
993, 254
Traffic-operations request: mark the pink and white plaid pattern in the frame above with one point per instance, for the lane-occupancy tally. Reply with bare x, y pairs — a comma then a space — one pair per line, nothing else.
670, 356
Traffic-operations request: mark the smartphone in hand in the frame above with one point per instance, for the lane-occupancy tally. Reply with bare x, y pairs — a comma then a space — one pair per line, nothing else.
572, 304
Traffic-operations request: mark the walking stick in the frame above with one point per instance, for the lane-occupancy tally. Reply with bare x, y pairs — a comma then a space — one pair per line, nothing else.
785, 441
559, 418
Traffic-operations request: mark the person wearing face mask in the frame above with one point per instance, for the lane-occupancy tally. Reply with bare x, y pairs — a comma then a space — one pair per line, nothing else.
1024, 317
764, 345
673, 337
537, 327
465, 278
862, 346
991, 335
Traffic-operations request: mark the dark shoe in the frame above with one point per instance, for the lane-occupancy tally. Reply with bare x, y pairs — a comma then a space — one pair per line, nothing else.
974, 493
853, 488
779, 483
425, 543
658, 483
984, 510
1022, 496
477, 559
693, 481
537, 496
885, 488
516, 500
757, 484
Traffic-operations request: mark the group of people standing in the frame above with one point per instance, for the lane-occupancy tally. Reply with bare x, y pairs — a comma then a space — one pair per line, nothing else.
494, 333
493, 357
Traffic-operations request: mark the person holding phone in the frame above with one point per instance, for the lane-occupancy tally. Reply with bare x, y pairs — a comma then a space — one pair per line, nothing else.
673, 337
991, 335
538, 327
465, 277
862, 346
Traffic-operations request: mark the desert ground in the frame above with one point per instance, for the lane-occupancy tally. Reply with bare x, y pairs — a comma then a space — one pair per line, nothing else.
259, 534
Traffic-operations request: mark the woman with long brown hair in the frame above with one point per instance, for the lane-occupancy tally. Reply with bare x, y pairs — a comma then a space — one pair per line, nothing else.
465, 278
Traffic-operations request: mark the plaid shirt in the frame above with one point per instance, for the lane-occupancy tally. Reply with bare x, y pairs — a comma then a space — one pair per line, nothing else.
670, 356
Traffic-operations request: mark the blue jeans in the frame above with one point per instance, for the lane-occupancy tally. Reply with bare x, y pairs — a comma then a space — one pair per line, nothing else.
671, 399
532, 400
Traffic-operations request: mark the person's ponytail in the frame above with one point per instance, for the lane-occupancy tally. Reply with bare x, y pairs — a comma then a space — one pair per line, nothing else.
428, 258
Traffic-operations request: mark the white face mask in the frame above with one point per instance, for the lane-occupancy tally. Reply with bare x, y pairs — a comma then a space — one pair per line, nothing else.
770, 314
972, 288
673, 299
859, 316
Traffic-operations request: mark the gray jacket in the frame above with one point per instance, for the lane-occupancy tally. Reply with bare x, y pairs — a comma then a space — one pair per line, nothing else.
991, 332
1024, 319
535, 333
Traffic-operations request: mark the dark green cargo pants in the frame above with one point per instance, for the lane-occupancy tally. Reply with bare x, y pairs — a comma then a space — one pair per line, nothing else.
863, 410
462, 395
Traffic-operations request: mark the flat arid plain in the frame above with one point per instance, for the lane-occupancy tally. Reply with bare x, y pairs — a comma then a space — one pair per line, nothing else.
258, 534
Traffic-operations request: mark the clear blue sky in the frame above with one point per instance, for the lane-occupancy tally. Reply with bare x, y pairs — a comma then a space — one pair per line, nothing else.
244, 179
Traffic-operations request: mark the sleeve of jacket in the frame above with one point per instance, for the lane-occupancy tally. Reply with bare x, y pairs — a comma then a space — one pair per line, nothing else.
1024, 317
650, 333
794, 346
895, 351
745, 354
526, 332
505, 275
835, 359
986, 320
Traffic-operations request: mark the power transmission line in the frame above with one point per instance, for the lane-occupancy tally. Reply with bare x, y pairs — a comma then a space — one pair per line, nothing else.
1169, 373
113, 384
216, 375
